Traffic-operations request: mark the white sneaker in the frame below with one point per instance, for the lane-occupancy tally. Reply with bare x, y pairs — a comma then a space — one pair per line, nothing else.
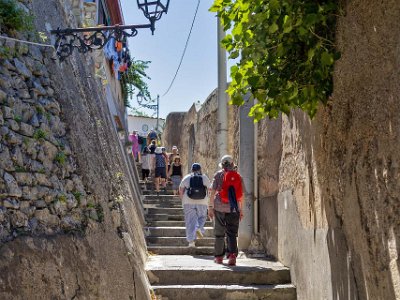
192, 245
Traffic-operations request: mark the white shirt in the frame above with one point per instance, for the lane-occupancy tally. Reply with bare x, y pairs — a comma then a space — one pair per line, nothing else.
185, 183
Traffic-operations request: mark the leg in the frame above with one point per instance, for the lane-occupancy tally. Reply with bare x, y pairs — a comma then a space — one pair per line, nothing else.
201, 217
190, 221
232, 227
219, 232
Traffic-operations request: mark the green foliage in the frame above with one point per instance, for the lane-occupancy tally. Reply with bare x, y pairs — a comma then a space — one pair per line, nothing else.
286, 51
77, 196
18, 118
137, 112
20, 169
13, 17
62, 198
60, 157
6, 52
134, 78
39, 134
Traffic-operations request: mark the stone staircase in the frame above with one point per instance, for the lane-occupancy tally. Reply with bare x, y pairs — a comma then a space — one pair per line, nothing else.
176, 271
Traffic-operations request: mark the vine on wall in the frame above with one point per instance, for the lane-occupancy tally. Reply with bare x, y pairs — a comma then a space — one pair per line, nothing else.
286, 52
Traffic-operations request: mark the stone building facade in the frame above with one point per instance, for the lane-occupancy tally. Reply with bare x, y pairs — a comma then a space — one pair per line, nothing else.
70, 209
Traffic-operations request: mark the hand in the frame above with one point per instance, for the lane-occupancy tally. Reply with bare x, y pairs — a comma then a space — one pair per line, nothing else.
241, 216
211, 213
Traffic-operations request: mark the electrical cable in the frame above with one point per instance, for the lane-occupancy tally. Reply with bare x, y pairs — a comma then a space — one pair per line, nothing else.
184, 50
26, 42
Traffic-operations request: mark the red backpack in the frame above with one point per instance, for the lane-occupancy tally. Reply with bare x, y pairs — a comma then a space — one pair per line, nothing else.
231, 178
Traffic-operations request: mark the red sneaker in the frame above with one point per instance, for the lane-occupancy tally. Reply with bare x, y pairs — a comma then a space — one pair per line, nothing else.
219, 260
232, 259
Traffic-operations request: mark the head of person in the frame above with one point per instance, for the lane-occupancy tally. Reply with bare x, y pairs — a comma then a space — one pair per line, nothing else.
177, 160
134, 132
174, 149
163, 149
153, 142
196, 168
226, 162
158, 150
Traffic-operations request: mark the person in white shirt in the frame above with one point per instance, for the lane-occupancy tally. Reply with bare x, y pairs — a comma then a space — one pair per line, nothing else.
193, 191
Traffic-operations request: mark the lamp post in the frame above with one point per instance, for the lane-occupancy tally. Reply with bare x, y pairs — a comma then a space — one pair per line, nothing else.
141, 98
97, 37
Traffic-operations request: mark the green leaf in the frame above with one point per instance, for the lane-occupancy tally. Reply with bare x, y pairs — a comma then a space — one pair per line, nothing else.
273, 28
327, 59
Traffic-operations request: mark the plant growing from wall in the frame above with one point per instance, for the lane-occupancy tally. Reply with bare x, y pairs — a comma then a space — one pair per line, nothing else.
134, 79
39, 134
14, 18
286, 52
60, 157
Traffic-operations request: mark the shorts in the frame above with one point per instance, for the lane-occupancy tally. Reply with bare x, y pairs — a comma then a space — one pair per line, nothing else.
145, 173
160, 172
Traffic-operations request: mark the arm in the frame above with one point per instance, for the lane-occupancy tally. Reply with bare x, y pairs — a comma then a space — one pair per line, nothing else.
170, 170
211, 204
181, 191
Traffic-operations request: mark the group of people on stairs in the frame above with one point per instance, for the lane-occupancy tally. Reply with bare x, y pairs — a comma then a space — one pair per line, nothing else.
219, 199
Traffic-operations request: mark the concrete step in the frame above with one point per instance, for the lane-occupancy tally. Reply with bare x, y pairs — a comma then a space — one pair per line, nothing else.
153, 192
198, 277
164, 210
172, 224
182, 269
177, 241
161, 197
164, 217
206, 292
163, 205
180, 250
166, 203
174, 231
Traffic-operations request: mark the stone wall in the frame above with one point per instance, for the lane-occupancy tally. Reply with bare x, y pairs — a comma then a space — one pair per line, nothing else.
329, 188
70, 217
194, 133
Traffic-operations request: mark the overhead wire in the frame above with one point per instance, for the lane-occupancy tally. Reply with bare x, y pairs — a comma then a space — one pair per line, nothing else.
184, 49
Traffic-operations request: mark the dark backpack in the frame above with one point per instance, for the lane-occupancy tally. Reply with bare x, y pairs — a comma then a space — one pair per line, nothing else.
197, 190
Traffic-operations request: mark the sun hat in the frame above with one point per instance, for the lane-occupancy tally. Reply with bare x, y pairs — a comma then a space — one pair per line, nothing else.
196, 167
158, 150
226, 161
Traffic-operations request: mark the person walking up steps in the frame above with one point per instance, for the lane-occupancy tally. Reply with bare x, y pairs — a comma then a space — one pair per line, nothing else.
193, 192
175, 173
226, 208
160, 169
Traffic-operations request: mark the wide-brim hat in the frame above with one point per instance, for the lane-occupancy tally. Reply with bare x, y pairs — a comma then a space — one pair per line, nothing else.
226, 160
158, 150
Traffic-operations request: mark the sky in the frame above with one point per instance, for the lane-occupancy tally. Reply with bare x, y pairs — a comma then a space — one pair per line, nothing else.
197, 77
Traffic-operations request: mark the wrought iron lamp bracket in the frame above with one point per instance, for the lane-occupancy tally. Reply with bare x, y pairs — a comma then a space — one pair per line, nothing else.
91, 38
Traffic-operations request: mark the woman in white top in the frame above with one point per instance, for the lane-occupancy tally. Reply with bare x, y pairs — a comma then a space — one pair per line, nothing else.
146, 163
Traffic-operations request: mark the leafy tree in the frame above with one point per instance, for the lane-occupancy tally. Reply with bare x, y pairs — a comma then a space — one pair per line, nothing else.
134, 79
286, 52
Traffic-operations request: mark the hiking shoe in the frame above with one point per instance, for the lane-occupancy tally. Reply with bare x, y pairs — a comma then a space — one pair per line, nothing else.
199, 234
219, 260
192, 245
232, 259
